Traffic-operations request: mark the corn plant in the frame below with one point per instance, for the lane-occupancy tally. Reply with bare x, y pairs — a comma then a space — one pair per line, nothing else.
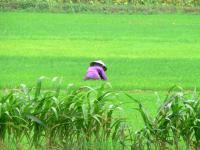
177, 120
75, 118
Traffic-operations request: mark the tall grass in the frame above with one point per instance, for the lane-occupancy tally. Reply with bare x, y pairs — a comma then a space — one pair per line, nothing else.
77, 118
88, 118
177, 121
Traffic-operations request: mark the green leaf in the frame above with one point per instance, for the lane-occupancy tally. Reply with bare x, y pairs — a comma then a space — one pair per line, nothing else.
55, 112
35, 119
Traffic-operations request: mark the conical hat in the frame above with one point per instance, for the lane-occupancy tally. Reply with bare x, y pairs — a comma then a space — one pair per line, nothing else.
99, 62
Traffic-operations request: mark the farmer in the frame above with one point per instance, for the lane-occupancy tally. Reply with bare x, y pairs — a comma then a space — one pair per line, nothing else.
96, 71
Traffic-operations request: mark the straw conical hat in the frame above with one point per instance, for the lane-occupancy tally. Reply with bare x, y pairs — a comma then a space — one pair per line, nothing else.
99, 62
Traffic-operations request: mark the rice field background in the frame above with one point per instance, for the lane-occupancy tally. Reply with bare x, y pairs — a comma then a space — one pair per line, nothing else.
152, 52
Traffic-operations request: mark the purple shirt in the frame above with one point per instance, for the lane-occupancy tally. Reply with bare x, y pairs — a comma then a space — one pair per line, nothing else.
96, 73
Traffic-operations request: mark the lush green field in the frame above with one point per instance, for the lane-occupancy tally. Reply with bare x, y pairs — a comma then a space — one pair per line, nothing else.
141, 51
151, 52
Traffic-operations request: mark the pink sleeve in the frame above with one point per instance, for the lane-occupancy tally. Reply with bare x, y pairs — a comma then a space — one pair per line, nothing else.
102, 74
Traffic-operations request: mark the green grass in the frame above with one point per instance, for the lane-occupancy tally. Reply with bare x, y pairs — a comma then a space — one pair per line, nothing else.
141, 51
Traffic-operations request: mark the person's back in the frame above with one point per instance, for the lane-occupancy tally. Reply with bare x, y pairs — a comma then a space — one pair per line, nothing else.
96, 71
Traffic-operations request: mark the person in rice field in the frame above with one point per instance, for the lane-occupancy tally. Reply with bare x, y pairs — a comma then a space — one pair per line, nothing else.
96, 71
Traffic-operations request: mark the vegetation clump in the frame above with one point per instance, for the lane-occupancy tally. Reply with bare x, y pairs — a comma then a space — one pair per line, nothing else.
177, 121
105, 6
89, 118
76, 118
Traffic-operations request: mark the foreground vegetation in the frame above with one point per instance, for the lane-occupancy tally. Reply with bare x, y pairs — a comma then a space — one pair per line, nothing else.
89, 118
75, 119
177, 119
151, 52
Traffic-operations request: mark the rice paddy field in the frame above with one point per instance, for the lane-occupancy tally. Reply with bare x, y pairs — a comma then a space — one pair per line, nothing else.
145, 54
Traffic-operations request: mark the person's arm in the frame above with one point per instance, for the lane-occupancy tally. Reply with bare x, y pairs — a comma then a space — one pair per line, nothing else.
102, 74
